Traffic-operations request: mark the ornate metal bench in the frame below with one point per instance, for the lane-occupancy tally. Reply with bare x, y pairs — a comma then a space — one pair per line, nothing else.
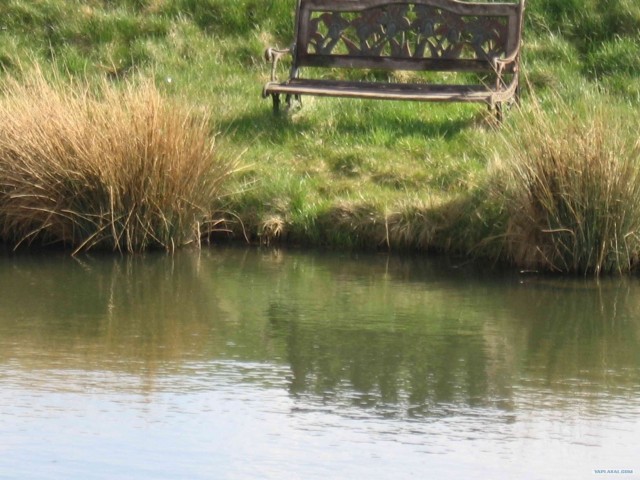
409, 35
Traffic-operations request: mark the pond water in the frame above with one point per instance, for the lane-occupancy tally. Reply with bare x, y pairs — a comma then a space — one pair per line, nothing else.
267, 364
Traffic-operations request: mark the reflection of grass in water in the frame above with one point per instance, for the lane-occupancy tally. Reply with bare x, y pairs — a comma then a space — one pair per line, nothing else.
404, 335
383, 335
131, 314
577, 338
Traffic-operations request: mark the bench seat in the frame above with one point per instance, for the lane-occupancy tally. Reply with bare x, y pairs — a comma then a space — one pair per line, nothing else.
389, 91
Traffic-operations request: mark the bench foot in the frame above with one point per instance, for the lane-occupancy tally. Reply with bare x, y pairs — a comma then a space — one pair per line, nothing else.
293, 102
276, 102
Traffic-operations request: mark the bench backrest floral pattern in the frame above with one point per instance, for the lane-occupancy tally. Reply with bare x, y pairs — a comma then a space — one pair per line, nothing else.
414, 29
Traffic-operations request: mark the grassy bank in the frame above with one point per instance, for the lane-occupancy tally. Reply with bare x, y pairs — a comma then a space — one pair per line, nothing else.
348, 173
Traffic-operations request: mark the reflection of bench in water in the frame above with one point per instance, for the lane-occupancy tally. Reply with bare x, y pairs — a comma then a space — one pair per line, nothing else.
404, 35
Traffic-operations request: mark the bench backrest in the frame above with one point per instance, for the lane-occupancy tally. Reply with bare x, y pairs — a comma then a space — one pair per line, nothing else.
443, 35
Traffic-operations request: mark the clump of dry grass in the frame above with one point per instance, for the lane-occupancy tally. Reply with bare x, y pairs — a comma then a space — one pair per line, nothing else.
569, 179
117, 168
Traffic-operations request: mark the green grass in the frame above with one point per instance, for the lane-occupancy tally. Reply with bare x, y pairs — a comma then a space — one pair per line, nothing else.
343, 173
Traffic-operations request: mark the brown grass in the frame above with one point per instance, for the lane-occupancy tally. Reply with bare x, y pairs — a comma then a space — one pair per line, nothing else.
569, 178
116, 168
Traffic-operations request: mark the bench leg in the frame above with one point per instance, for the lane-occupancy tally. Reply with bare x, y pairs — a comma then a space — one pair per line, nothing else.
499, 112
496, 109
290, 103
276, 102
517, 95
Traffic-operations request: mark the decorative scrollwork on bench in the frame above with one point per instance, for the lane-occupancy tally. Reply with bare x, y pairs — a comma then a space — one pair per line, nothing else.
407, 31
435, 36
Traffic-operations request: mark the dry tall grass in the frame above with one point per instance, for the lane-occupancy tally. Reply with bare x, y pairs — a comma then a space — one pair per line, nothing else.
116, 168
570, 183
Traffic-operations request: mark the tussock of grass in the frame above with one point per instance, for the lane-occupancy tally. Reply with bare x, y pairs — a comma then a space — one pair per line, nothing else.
569, 181
122, 169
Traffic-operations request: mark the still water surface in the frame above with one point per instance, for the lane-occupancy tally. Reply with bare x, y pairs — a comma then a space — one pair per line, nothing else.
256, 364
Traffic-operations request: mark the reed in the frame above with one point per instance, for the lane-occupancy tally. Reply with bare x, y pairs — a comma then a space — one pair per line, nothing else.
568, 178
118, 168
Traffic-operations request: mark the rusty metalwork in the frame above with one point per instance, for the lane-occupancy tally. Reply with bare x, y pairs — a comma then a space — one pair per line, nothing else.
411, 35
407, 31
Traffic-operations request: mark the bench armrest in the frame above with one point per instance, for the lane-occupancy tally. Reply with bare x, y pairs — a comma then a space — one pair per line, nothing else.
274, 55
500, 64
